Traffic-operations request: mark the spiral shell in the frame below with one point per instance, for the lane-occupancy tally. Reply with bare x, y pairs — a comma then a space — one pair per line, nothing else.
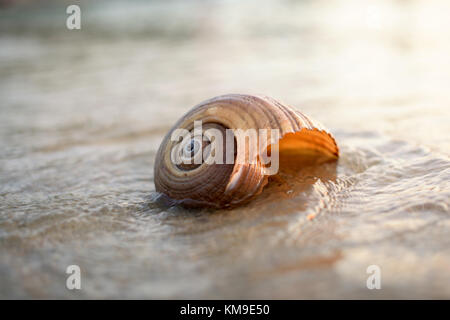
229, 184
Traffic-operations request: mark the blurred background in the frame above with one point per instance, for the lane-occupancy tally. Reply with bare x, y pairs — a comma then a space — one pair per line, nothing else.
82, 113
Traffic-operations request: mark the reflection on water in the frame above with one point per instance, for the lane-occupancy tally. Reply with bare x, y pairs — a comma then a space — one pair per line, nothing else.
83, 113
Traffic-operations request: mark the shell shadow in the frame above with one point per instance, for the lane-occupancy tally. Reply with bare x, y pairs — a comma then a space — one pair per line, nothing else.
294, 178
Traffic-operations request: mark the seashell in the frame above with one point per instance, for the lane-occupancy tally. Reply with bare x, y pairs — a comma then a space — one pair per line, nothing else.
295, 137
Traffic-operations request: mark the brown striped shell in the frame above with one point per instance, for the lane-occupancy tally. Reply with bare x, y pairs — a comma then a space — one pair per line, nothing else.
224, 185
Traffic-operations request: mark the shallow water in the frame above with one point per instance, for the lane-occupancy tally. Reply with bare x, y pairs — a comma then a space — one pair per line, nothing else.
83, 113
